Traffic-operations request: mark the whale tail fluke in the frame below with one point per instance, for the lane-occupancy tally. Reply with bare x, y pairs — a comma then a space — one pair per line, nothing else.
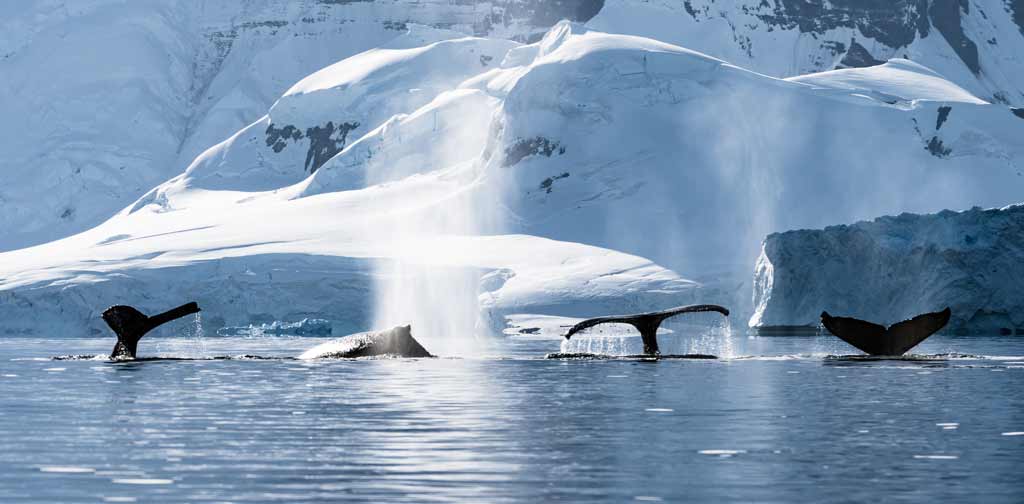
130, 325
646, 323
875, 339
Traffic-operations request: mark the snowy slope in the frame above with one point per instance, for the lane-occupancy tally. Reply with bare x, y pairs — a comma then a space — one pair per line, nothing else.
893, 268
894, 80
661, 152
588, 173
318, 116
111, 98
328, 256
975, 43
106, 98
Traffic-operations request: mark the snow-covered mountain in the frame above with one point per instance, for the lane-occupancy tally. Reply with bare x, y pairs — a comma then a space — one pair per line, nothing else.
104, 99
893, 268
975, 43
109, 98
585, 173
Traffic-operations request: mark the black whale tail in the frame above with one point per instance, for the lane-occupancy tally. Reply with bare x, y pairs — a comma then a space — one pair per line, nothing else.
646, 323
875, 339
131, 325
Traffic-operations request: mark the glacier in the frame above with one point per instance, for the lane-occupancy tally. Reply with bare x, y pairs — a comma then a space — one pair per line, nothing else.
493, 180
106, 99
109, 99
893, 268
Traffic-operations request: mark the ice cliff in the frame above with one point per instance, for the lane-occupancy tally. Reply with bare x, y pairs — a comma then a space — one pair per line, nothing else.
893, 268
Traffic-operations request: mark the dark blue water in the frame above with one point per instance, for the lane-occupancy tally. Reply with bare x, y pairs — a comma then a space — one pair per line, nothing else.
778, 422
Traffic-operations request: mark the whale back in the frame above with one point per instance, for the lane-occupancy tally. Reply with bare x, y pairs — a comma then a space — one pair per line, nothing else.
393, 342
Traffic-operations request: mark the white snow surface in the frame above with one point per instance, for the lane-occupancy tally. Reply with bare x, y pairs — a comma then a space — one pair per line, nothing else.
787, 38
585, 174
893, 268
104, 99
321, 256
362, 93
895, 80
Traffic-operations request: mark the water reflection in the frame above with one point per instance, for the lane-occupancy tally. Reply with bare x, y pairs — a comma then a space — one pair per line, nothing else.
775, 422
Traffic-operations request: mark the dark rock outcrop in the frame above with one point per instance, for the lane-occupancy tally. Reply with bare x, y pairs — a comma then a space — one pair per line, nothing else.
324, 141
857, 56
525, 147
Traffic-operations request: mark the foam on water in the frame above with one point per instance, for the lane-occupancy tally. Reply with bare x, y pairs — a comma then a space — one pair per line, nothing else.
67, 469
721, 453
142, 481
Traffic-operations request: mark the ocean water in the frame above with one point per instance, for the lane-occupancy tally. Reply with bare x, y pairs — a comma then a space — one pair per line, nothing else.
779, 420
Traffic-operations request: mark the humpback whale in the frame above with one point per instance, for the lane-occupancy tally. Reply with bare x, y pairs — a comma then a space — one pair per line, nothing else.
875, 339
130, 325
397, 342
646, 323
